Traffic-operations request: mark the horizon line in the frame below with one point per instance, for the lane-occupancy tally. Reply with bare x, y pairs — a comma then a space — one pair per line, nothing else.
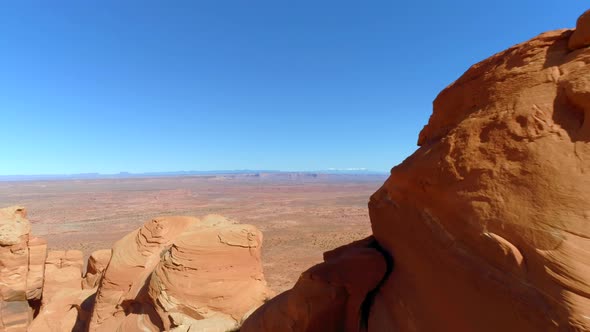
124, 174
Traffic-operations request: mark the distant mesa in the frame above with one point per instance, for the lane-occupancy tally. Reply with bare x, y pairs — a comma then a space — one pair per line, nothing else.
242, 174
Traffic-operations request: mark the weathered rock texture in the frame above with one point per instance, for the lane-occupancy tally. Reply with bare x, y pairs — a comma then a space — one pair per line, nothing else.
181, 273
221, 255
36, 273
174, 273
63, 270
328, 297
134, 257
488, 222
21, 269
581, 36
68, 310
97, 263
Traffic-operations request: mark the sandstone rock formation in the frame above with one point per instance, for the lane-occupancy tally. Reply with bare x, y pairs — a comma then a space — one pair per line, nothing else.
36, 273
68, 310
581, 36
329, 296
174, 273
21, 264
217, 253
63, 270
134, 257
488, 221
97, 263
155, 278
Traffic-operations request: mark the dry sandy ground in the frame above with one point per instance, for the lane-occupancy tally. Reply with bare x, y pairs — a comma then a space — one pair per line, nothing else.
300, 216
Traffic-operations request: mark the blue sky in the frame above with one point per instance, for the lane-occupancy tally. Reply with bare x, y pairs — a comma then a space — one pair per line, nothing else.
110, 86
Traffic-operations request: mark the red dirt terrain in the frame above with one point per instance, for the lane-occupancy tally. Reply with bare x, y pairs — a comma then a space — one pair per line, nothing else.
300, 215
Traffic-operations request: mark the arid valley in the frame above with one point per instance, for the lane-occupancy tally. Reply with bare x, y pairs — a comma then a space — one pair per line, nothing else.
300, 214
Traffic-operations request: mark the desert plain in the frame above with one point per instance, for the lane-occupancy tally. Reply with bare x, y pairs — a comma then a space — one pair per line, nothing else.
301, 215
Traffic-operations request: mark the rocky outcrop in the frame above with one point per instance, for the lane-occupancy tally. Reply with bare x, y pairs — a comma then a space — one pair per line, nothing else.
581, 36
63, 271
36, 273
155, 278
487, 221
21, 264
330, 296
217, 253
494, 203
97, 263
134, 257
68, 310
174, 273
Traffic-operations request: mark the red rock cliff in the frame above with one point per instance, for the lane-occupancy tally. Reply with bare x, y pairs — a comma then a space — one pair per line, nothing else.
488, 222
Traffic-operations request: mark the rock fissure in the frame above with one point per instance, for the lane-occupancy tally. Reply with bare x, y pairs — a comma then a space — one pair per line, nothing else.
367, 304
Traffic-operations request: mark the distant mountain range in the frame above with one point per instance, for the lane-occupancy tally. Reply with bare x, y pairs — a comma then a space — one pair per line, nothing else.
245, 172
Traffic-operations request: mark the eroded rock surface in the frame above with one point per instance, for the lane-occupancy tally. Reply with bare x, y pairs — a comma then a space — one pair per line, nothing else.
174, 273
221, 255
488, 221
134, 257
63, 271
330, 296
21, 264
36, 273
181, 273
97, 263
581, 36
68, 310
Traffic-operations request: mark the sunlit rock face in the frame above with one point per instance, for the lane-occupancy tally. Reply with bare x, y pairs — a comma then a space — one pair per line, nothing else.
210, 278
181, 273
488, 222
97, 263
21, 269
63, 271
173, 274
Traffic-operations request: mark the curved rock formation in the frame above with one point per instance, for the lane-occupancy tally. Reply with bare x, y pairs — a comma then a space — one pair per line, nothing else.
183, 273
494, 203
327, 297
133, 259
174, 273
217, 253
488, 221
97, 263
214, 252
68, 310
581, 36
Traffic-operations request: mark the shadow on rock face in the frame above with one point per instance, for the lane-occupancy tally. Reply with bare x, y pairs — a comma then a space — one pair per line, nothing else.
336, 295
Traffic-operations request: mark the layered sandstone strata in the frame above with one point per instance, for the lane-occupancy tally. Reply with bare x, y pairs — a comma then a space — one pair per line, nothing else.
174, 273
181, 273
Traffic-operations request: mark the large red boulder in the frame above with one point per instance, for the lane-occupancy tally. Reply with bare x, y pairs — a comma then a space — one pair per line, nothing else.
488, 222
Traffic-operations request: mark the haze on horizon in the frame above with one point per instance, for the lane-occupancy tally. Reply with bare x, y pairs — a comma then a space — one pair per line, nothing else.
140, 86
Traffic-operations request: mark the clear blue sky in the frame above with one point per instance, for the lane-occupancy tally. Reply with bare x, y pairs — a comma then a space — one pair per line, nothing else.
109, 86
